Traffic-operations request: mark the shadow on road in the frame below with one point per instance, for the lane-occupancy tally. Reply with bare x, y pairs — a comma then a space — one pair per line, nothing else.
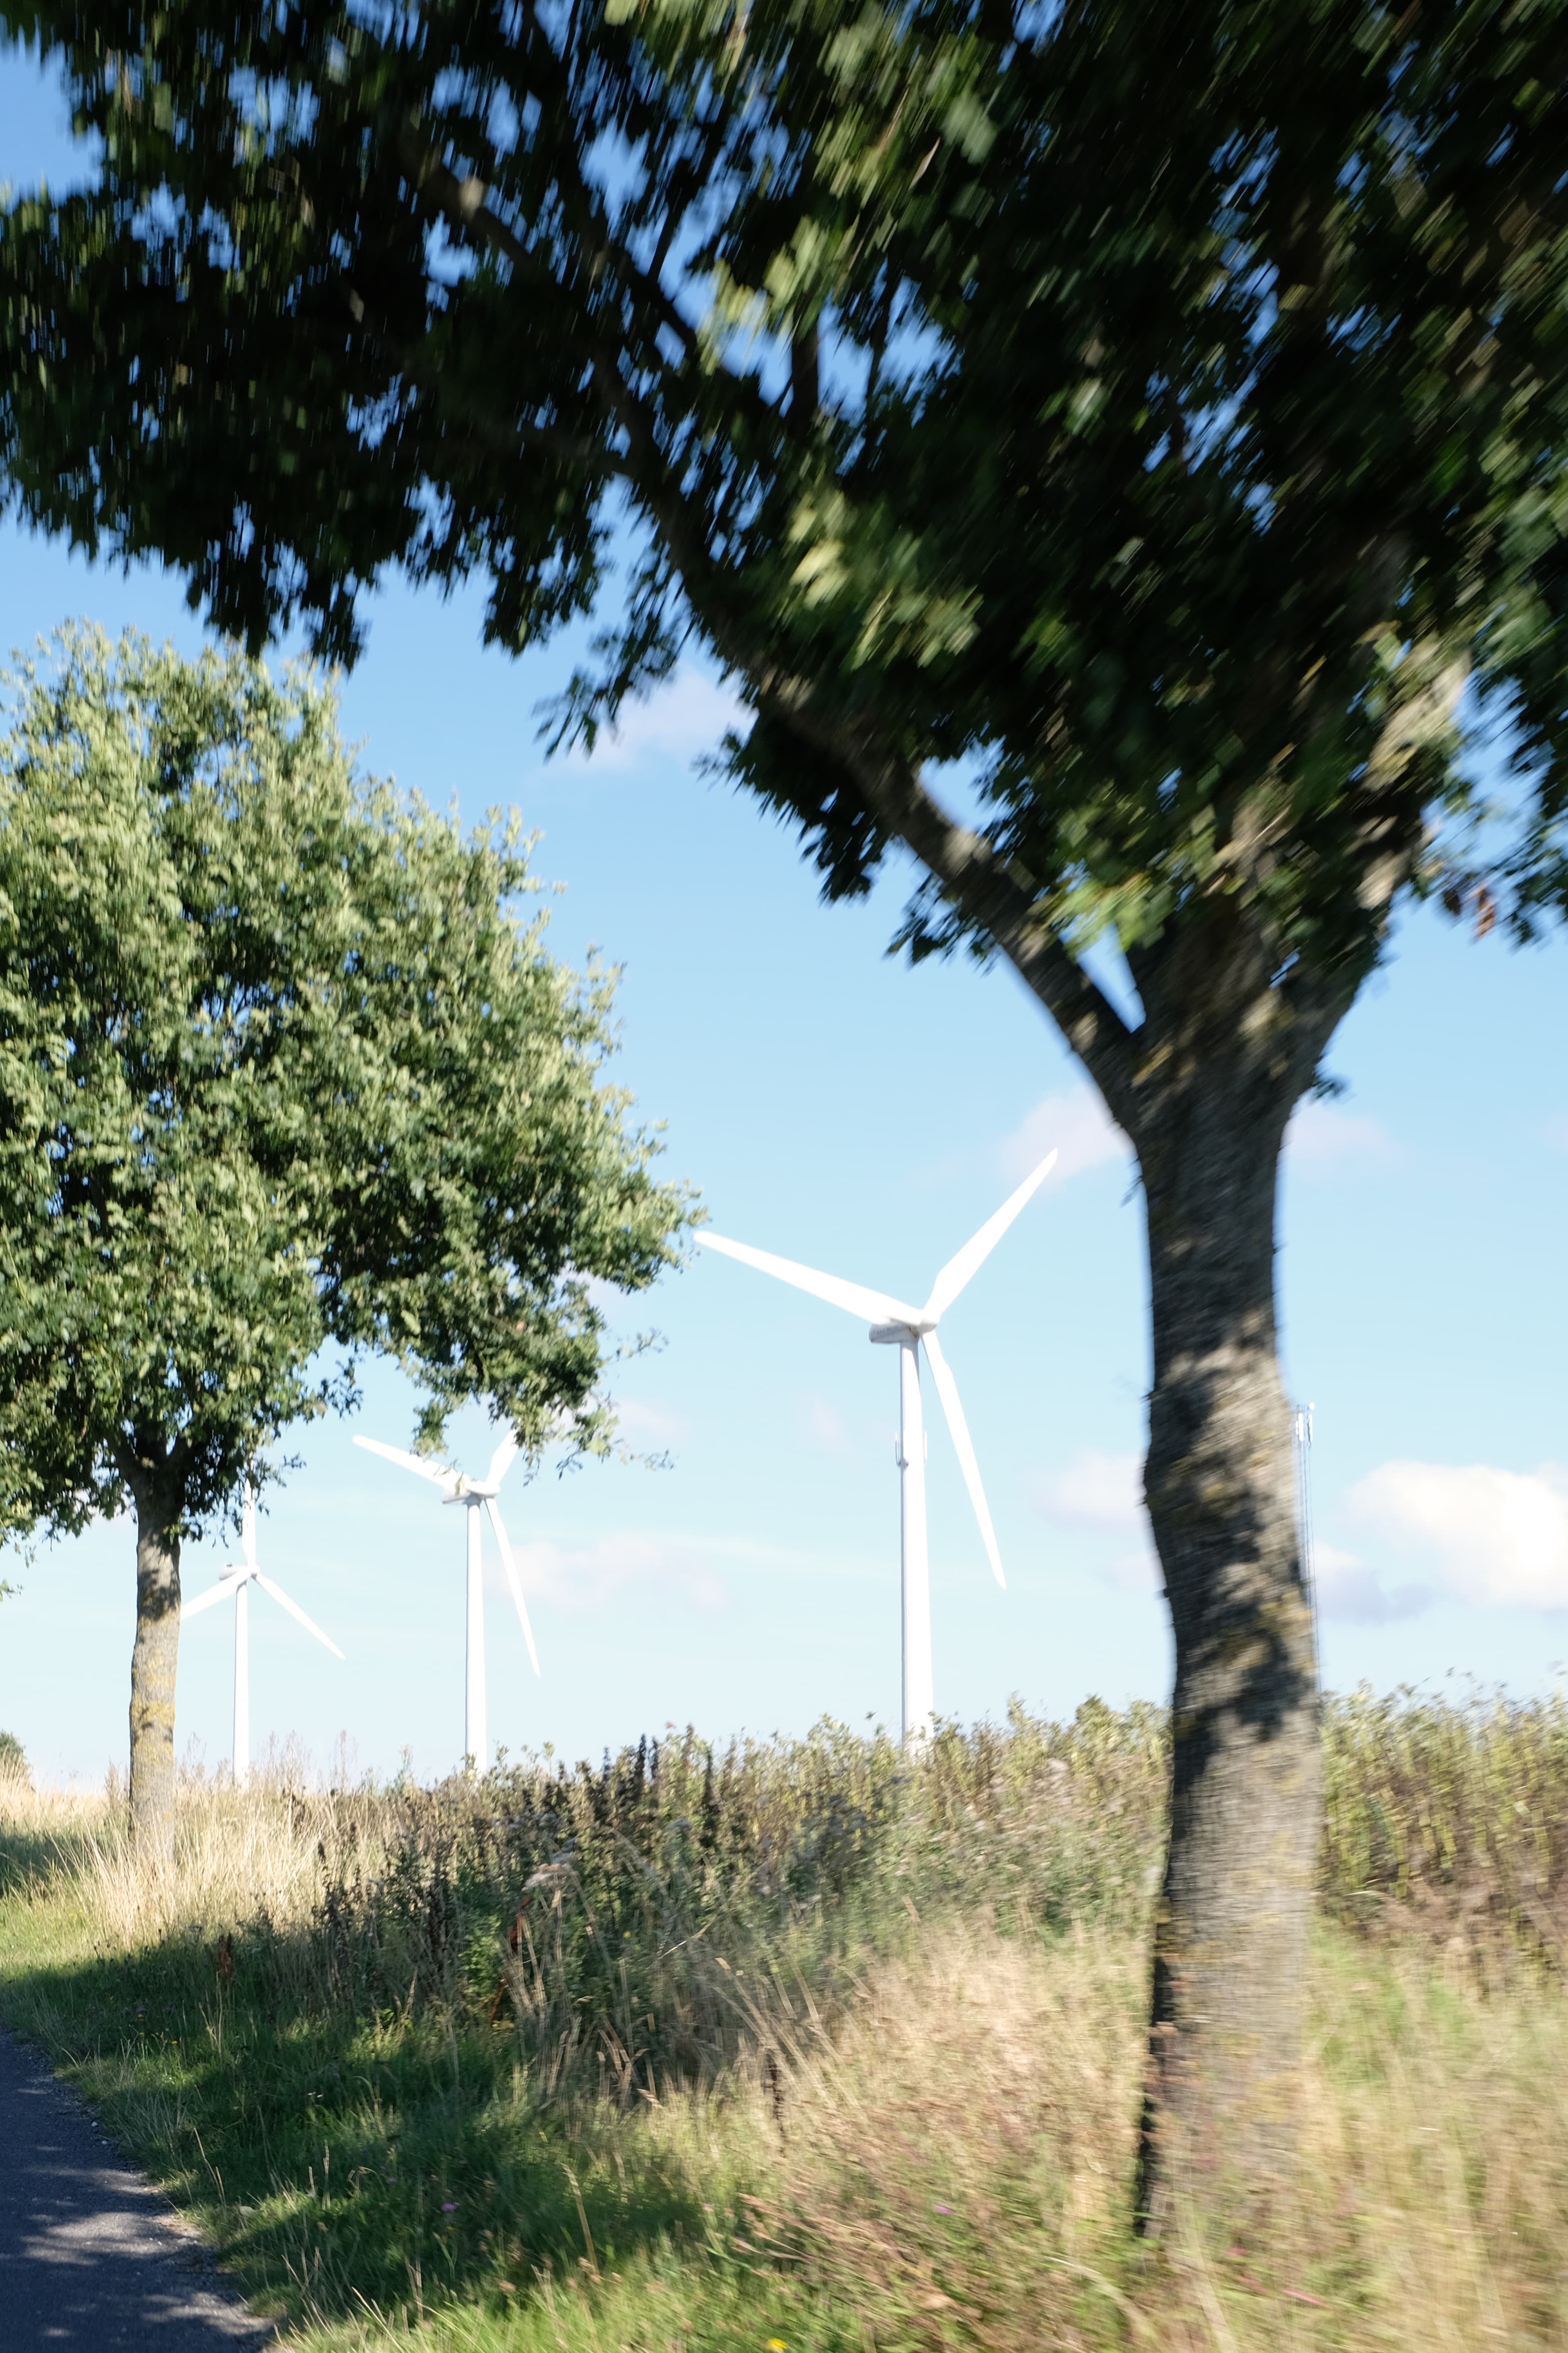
90, 2254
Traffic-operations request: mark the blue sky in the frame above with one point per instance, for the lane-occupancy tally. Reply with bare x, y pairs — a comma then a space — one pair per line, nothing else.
836, 1107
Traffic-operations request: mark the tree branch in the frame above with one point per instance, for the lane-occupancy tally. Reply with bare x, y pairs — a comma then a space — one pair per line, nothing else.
464, 206
992, 892
463, 203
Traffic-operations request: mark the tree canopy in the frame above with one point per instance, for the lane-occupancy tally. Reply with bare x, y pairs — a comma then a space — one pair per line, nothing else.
1160, 412
1029, 386
281, 1078
277, 1069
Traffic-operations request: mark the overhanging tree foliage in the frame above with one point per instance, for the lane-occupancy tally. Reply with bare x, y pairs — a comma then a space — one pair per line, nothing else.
278, 1068
1160, 409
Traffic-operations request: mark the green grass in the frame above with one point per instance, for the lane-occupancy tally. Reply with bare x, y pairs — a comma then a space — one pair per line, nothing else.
802, 2043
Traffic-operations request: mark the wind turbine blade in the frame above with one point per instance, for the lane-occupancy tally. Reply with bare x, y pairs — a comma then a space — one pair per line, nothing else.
294, 1611
958, 1270
421, 1464
224, 1590
501, 1460
947, 1390
512, 1577
872, 1306
247, 1527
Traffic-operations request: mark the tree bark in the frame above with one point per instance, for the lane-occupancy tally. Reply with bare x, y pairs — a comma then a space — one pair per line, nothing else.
155, 1658
1232, 1928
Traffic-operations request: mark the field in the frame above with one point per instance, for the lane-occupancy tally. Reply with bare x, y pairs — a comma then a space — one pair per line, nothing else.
800, 2046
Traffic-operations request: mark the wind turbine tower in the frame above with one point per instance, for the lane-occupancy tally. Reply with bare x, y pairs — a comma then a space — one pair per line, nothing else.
236, 1579
895, 1324
475, 1495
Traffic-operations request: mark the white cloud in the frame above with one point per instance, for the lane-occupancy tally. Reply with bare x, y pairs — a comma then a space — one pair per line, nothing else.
1104, 1493
1096, 1490
584, 1577
607, 1297
1085, 1137
1076, 1124
679, 721
1135, 1571
1322, 1135
1347, 1588
639, 1418
1499, 1538
1555, 1130
828, 1428
577, 1578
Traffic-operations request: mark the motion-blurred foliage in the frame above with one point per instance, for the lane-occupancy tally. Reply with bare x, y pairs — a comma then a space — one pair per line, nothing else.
800, 2040
613, 1913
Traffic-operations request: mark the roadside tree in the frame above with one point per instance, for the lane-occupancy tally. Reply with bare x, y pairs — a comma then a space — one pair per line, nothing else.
1161, 411
282, 1079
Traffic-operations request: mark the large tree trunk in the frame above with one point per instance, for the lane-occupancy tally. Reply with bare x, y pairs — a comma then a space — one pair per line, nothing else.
1231, 1936
155, 1658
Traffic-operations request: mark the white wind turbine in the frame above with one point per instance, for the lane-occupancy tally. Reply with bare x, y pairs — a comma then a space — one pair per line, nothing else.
895, 1324
473, 1493
238, 1579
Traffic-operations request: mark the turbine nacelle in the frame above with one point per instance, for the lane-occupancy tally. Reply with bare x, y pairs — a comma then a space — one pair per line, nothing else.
237, 1574
456, 1486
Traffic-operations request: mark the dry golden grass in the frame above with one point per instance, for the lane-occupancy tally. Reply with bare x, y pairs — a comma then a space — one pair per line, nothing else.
955, 2156
954, 2163
237, 1852
906, 2124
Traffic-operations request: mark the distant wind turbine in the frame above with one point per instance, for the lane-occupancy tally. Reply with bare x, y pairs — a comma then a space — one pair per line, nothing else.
895, 1324
238, 1579
472, 1493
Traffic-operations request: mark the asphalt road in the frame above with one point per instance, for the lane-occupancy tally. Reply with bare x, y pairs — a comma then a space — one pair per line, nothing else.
90, 2255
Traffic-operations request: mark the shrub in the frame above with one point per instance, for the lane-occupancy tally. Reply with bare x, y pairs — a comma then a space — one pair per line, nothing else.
1449, 1818
809, 2040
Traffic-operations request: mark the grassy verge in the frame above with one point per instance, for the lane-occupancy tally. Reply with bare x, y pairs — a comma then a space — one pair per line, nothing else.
798, 2047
